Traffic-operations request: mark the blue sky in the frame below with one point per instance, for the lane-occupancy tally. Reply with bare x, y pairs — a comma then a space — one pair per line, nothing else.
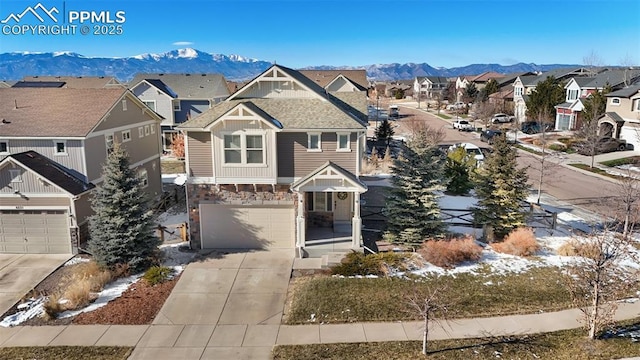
300, 33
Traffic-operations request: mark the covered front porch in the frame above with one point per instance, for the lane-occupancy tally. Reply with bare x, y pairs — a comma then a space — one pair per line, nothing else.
328, 210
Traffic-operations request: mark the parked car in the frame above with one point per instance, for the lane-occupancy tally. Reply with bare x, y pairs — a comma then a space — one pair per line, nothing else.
462, 125
472, 150
603, 145
534, 127
394, 111
501, 118
488, 136
456, 106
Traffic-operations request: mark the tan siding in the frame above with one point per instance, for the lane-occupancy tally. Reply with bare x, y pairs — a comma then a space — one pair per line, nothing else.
295, 161
118, 117
34, 201
96, 153
199, 151
83, 208
154, 188
625, 109
30, 183
46, 147
266, 89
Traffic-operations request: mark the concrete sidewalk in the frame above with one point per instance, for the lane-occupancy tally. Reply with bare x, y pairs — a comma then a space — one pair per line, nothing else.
256, 341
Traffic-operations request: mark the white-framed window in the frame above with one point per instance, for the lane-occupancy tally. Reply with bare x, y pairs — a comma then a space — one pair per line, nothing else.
314, 141
141, 132
4, 147
60, 147
615, 101
244, 149
144, 177
151, 104
636, 106
124, 105
126, 135
108, 140
16, 175
153, 129
176, 105
518, 91
320, 201
572, 95
146, 130
343, 143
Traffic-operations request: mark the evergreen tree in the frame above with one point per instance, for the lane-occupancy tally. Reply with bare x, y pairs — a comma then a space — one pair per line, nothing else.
384, 132
122, 227
471, 93
501, 187
542, 101
491, 87
412, 207
460, 164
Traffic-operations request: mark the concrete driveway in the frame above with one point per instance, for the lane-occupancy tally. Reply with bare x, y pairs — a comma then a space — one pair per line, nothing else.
20, 273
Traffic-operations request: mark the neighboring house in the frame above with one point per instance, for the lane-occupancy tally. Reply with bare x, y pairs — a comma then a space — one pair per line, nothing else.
503, 99
481, 80
74, 129
394, 86
72, 82
569, 113
461, 86
428, 87
178, 97
4, 85
622, 118
275, 165
339, 80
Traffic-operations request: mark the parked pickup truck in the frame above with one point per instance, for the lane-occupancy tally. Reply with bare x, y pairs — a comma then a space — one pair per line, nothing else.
462, 125
457, 106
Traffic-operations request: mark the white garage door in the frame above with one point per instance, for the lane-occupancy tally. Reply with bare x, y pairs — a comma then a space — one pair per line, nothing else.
34, 232
247, 227
631, 133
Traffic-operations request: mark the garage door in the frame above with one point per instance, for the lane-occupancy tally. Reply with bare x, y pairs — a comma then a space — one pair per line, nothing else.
247, 227
631, 133
34, 232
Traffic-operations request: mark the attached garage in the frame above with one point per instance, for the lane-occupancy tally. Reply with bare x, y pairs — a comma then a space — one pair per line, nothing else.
247, 227
34, 232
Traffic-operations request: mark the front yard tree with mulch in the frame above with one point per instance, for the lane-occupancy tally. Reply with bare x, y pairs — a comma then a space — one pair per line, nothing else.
123, 223
412, 208
501, 188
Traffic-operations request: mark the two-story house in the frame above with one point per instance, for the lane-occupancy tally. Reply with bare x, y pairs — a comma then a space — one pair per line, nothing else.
429, 87
569, 113
53, 144
622, 117
178, 97
274, 165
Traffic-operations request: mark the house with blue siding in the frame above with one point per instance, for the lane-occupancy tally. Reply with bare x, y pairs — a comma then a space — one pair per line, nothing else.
178, 97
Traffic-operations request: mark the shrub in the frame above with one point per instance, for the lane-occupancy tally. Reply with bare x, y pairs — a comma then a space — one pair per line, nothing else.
157, 275
557, 147
519, 242
53, 306
574, 247
449, 253
357, 263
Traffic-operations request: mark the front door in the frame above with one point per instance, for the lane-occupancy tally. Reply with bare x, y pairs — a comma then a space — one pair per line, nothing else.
342, 211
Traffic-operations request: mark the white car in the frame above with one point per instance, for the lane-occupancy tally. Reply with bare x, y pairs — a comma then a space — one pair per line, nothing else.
472, 150
462, 125
457, 106
501, 118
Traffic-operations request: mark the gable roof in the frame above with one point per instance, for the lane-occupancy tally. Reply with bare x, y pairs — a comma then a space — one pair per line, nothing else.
486, 76
325, 77
78, 82
333, 168
158, 84
38, 84
39, 112
354, 84
627, 92
51, 171
433, 79
508, 79
4, 84
189, 86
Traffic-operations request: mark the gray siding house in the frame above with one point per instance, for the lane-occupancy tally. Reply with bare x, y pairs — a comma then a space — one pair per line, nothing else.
276, 165
68, 132
178, 97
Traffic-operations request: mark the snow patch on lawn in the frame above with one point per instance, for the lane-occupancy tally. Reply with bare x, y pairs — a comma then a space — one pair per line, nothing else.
177, 179
29, 309
76, 260
175, 257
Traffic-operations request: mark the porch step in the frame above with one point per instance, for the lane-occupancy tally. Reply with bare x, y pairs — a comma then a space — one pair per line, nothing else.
333, 258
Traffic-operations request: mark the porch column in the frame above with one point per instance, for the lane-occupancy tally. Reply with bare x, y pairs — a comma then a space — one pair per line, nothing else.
300, 221
356, 227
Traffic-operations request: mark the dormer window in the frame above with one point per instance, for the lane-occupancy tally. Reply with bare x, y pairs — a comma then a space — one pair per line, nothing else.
314, 142
615, 101
61, 147
244, 149
4, 147
572, 95
151, 104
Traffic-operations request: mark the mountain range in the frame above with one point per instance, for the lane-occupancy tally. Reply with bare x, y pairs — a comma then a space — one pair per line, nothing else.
16, 65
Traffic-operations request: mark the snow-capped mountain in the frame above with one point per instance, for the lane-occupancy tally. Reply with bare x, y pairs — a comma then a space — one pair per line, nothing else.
15, 66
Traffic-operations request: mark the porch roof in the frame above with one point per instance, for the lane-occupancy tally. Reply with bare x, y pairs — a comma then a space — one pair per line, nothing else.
343, 180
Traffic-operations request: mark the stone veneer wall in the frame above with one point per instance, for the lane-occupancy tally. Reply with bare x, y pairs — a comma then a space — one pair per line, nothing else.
230, 195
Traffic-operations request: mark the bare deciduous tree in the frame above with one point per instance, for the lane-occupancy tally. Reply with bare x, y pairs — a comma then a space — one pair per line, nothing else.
599, 279
628, 199
484, 111
429, 303
421, 131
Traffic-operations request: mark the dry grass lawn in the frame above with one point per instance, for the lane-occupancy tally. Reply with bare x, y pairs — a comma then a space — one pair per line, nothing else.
66, 353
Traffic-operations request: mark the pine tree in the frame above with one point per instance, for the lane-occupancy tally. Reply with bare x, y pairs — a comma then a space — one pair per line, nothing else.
412, 208
460, 164
384, 132
501, 187
122, 225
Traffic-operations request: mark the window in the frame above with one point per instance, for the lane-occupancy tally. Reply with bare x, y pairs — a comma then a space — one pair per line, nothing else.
108, 139
144, 177
319, 201
126, 135
61, 147
636, 107
124, 105
153, 129
4, 147
176, 105
151, 104
343, 143
16, 175
518, 91
572, 95
615, 101
314, 142
140, 132
146, 130
243, 149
